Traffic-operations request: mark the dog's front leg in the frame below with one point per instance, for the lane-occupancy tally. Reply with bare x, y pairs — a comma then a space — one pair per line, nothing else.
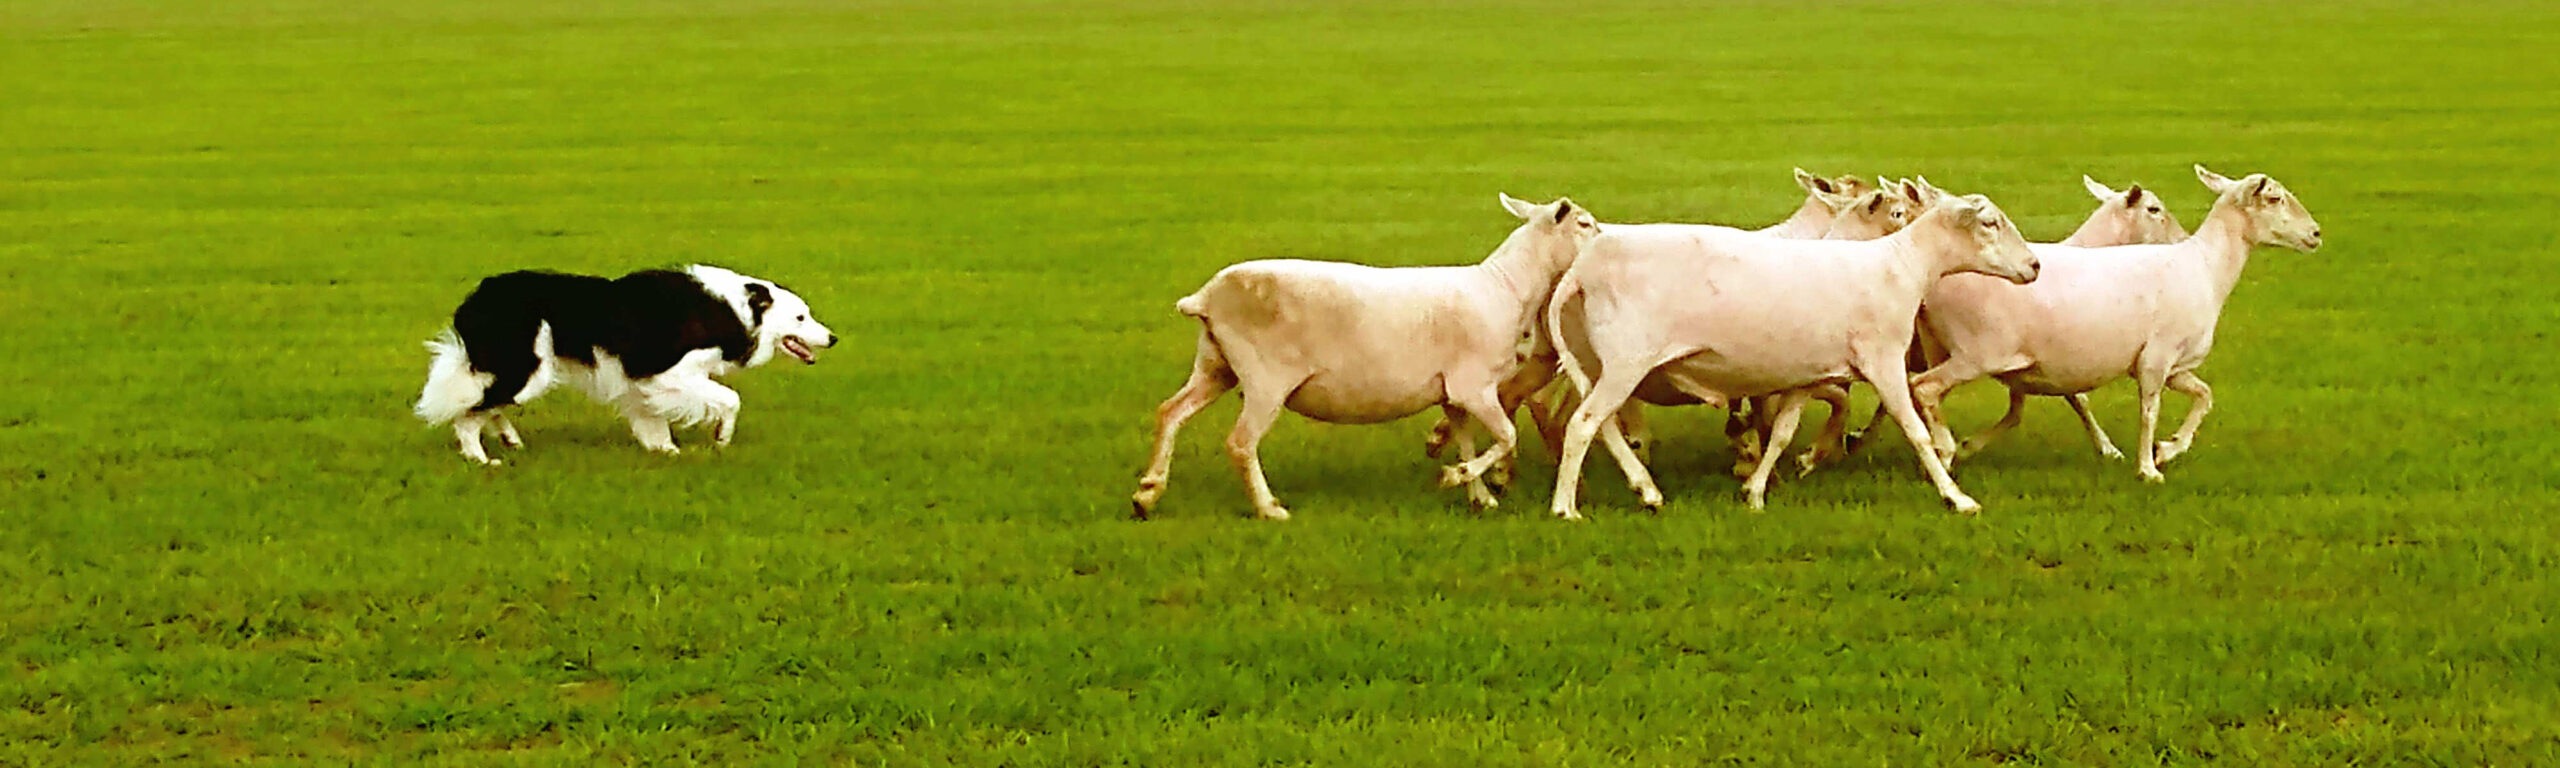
653, 432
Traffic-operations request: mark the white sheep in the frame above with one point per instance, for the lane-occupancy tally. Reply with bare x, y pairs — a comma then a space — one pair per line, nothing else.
1352, 344
2100, 314
1722, 315
1831, 205
2131, 217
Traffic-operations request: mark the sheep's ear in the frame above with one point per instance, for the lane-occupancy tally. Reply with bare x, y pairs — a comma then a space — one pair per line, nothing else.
1970, 207
1564, 207
2099, 191
1815, 184
2213, 181
1929, 193
1518, 207
2133, 196
2261, 187
1875, 200
1835, 201
1911, 192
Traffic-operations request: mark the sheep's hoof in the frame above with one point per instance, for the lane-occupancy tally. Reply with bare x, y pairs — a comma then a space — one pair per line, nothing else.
1964, 505
1454, 476
1272, 513
1138, 510
2110, 453
2152, 475
1568, 515
1851, 442
2170, 450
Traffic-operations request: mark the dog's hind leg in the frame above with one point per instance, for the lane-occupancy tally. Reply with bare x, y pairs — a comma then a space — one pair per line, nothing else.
506, 430
466, 432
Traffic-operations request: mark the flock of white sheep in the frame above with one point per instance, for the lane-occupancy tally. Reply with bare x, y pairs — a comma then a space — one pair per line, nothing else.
1864, 283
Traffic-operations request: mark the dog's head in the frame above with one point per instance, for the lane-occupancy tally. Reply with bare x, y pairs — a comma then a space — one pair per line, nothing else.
777, 320
780, 320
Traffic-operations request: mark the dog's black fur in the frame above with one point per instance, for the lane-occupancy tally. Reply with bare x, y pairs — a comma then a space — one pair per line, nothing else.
648, 320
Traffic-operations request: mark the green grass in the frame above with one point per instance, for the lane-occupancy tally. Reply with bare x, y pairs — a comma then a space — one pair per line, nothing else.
225, 227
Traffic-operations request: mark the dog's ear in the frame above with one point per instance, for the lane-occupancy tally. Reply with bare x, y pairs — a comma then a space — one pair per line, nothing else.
759, 299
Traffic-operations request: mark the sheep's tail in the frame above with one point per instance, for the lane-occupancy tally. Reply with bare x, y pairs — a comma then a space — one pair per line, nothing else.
452, 388
1567, 287
1193, 306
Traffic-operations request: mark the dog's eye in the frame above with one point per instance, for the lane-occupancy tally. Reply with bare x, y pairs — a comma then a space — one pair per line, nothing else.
804, 318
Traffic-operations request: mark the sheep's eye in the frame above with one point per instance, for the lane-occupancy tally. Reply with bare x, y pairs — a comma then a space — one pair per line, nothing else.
2155, 209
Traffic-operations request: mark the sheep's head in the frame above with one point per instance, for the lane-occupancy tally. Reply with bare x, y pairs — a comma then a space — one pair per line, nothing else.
1558, 231
1986, 240
2274, 215
1833, 192
2133, 216
1878, 213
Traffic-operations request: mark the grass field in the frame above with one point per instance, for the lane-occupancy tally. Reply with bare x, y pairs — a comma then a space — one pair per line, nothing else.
225, 227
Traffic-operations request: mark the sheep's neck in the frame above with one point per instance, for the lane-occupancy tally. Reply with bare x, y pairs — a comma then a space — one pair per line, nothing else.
1919, 256
1517, 266
2094, 232
1810, 220
2223, 242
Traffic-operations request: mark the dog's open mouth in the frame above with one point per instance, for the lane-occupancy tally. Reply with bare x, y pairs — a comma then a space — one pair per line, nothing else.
799, 349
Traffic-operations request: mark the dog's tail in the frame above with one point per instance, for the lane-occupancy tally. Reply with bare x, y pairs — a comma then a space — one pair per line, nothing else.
453, 389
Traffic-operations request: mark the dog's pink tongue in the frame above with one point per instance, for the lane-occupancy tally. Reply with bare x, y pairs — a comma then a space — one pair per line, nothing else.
799, 350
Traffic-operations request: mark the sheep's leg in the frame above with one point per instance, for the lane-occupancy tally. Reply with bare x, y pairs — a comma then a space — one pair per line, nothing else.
1601, 403
1486, 407
2189, 384
466, 435
1244, 446
1548, 411
1441, 432
1860, 438
1752, 439
1832, 445
1478, 495
2089, 421
1639, 479
1522, 390
1637, 433
2008, 421
2147, 457
1487, 410
1893, 387
1782, 428
1923, 354
506, 430
1210, 378
1928, 393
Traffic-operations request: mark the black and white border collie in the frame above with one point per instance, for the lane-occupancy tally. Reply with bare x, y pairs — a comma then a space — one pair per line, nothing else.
648, 344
